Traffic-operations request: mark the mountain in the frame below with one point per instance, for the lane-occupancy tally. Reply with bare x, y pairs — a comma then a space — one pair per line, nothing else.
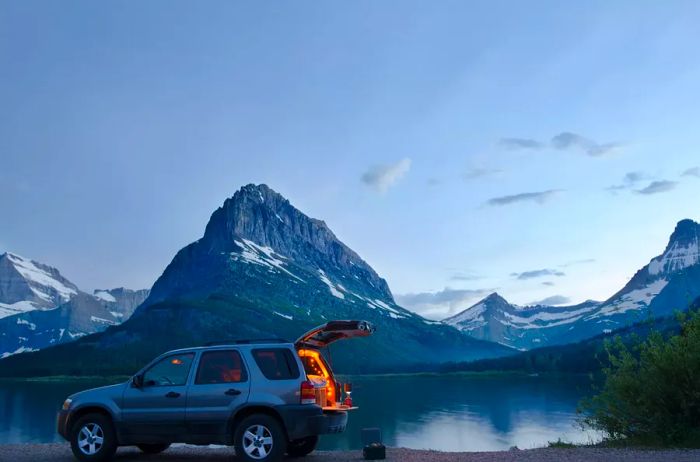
39, 307
121, 302
586, 356
262, 269
83, 314
667, 283
27, 285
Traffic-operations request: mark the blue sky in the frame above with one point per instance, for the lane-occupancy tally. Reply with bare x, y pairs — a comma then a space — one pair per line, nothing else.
457, 146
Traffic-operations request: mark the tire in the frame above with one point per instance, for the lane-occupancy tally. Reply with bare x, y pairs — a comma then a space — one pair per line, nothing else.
92, 438
155, 448
302, 447
260, 438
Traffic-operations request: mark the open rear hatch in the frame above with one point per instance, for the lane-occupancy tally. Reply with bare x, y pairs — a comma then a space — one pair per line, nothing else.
328, 393
332, 331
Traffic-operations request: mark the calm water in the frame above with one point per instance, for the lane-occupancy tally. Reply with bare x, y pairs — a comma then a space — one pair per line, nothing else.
449, 413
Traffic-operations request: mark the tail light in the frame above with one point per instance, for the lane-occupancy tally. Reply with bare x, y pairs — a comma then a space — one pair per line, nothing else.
308, 393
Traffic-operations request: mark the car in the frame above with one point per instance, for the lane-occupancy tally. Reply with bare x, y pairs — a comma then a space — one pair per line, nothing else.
266, 398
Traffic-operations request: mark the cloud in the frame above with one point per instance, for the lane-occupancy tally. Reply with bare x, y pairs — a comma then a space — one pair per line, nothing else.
474, 173
538, 197
693, 171
443, 303
465, 277
383, 177
548, 283
520, 143
656, 187
577, 262
538, 274
553, 300
629, 181
433, 181
569, 140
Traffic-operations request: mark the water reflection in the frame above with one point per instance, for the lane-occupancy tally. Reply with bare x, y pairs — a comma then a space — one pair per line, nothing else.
449, 413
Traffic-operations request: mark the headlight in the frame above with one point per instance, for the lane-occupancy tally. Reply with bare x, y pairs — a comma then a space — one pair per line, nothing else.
66, 404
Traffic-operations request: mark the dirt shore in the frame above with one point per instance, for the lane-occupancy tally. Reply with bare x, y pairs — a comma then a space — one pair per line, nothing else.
61, 453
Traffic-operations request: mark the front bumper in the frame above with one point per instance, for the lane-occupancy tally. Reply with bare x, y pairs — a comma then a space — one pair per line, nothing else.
62, 423
307, 420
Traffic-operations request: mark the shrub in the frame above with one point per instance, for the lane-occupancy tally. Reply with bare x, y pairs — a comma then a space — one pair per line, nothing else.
651, 393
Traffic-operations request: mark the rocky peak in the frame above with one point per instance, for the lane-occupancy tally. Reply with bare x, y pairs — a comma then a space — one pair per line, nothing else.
687, 232
259, 214
27, 281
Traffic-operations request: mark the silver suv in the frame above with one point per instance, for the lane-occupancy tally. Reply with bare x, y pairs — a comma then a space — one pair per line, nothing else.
264, 397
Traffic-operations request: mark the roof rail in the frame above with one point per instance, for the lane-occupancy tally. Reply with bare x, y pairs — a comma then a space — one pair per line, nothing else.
246, 341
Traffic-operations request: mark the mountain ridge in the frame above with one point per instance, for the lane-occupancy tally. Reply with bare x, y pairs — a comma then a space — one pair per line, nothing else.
668, 282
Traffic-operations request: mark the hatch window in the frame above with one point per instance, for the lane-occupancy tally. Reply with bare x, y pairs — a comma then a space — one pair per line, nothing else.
276, 363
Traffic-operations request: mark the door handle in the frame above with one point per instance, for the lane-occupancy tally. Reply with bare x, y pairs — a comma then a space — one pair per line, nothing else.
232, 392
172, 394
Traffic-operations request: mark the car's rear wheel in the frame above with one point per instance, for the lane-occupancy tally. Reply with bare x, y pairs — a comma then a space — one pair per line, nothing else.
154, 448
302, 447
93, 438
260, 438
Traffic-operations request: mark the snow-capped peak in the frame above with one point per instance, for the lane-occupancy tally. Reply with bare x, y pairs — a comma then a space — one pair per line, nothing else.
45, 281
683, 250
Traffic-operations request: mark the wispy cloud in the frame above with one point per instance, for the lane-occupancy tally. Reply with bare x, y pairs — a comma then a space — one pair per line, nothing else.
656, 187
539, 197
465, 277
538, 274
383, 177
582, 261
521, 143
548, 283
553, 300
474, 173
562, 141
569, 140
693, 171
629, 181
443, 303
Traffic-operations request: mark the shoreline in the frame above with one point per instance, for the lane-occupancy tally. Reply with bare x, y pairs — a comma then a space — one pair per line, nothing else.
60, 452
484, 374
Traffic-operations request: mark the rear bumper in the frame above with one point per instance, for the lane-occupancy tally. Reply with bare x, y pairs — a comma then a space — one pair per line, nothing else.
62, 424
307, 420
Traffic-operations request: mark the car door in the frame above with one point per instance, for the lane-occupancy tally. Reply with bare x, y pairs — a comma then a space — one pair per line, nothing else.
155, 411
220, 386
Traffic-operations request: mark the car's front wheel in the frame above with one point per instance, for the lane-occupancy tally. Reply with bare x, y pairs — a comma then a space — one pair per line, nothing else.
93, 438
155, 448
302, 447
260, 438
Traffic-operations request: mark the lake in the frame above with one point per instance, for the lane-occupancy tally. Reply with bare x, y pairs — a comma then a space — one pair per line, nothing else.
444, 412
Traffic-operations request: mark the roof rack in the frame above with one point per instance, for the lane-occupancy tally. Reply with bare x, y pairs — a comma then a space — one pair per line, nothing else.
246, 341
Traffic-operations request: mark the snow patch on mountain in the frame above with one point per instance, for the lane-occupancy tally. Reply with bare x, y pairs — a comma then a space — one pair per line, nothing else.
263, 256
105, 296
678, 257
633, 300
8, 309
30, 271
332, 287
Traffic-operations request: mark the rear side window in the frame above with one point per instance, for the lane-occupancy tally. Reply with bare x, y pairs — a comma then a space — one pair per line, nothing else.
276, 363
223, 366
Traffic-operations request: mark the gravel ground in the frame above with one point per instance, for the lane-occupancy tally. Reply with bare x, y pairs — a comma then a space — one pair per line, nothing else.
61, 453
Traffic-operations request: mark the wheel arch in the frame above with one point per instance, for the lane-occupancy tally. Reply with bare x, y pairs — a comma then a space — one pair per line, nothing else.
249, 410
85, 410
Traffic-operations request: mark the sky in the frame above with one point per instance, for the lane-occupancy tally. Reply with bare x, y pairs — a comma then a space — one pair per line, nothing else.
542, 149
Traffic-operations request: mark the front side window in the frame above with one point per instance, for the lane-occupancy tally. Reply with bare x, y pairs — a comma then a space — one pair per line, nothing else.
169, 371
224, 366
276, 363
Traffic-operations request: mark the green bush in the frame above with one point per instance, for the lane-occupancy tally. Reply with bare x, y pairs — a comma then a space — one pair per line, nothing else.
651, 393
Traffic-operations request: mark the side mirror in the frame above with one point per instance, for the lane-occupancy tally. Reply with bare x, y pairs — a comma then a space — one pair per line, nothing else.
137, 381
